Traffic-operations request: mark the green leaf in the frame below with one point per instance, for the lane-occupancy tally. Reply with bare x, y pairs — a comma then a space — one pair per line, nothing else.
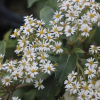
2, 47
30, 2
52, 4
46, 15
11, 43
78, 50
20, 92
30, 95
7, 34
66, 64
50, 90
53, 58
84, 60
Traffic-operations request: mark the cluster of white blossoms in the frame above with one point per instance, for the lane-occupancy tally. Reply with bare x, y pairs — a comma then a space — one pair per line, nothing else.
35, 42
86, 87
75, 17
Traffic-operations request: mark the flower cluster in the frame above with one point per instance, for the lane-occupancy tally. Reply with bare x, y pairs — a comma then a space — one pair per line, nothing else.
35, 42
86, 87
75, 16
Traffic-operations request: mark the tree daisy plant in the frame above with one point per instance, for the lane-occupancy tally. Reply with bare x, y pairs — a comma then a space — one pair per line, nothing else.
56, 54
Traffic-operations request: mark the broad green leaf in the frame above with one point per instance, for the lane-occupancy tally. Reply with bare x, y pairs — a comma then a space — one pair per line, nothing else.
11, 43
52, 4
30, 95
30, 2
78, 50
2, 47
50, 90
62, 62
20, 92
66, 64
7, 34
46, 15
84, 60
97, 36
53, 58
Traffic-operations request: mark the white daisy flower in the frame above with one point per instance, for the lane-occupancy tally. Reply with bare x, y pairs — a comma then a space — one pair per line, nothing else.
28, 30
75, 87
94, 49
69, 30
38, 84
57, 16
90, 72
57, 48
6, 80
48, 67
86, 29
91, 63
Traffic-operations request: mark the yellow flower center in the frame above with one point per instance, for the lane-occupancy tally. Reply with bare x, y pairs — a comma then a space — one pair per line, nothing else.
94, 48
42, 57
39, 84
33, 46
48, 68
54, 22
69, 31
31, 56
28, 30
98, 4
91, 3
84, 21
17, 75
80, 6
33, 70
23, 40
48, 37
77, 0
18, 48
83, 96
86, 30
15, 33
90, 72
58, 15
55, 29
85, 87
91, 15
0, 57
30, 22
24, 26
71, 14
39, 23
28, 76
93, 82
91, 62
69, 82
23, 63
28, 52
57, 47
42, 45
24, 45
6, 80
72, 75
41, 32
67, 5
10, 67
74, 87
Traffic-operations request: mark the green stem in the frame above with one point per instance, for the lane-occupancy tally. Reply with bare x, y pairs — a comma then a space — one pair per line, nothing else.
78, 65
